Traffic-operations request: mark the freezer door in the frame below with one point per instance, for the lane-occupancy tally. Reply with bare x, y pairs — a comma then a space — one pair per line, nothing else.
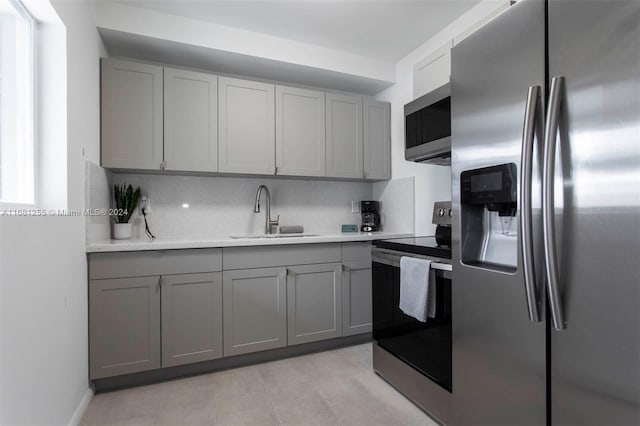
595, 361
498, 353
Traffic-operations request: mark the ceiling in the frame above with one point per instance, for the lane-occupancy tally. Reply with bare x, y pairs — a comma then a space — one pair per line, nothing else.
382, 29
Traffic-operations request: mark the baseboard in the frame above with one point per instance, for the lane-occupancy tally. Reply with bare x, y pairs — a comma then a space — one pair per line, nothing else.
82, 407
169, 373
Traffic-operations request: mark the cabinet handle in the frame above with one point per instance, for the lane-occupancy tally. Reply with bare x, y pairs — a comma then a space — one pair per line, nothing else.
284, 274
160, 283
275, 171
163, 165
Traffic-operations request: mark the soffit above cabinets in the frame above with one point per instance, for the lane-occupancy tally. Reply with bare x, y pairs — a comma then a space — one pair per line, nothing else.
386, 30
346, 46
119, 43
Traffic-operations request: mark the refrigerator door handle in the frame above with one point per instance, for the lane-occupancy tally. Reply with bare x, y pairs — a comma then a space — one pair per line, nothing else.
526, 228
548, 210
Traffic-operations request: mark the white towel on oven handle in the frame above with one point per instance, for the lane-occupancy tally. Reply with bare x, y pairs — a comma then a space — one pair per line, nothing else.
417, 293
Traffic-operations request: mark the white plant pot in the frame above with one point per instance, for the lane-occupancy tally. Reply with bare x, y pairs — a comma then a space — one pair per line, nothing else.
122, 231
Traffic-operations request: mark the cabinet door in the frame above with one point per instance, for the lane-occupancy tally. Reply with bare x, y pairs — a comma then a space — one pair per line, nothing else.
433, 71
300, 132
190, 121
344, 136
191, 318
255, 310
124, 325
377, 140
131, 101
246, 142
356, 298
314, 302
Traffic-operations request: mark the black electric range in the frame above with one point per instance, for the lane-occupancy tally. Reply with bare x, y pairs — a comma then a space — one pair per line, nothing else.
412, 353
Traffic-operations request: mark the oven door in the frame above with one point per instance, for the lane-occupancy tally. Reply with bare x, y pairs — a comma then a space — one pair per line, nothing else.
426, 346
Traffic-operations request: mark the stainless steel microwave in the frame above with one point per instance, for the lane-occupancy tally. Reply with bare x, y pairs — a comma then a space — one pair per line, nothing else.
427, 127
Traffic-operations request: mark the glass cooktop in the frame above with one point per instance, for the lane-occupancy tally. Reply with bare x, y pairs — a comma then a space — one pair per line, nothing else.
419, 245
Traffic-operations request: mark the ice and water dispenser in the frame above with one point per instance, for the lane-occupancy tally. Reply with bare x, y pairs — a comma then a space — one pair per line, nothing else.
488, 209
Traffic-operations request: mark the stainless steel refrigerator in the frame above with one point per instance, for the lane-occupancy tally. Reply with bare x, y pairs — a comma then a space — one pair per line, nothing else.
546, 230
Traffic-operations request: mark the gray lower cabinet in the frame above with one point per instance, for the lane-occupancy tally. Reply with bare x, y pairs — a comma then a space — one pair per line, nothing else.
255, 310
169, 310
153, 309
314, 302
191, 318
356, 298
124, 326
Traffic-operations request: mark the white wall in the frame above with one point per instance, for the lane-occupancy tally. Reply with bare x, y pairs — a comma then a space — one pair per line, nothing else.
43, 281
432, 183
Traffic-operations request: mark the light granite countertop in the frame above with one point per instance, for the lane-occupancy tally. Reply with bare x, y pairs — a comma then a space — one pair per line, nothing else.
227, 241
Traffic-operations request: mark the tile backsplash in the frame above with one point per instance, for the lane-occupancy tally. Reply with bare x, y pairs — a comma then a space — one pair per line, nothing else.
197, 207
97, 196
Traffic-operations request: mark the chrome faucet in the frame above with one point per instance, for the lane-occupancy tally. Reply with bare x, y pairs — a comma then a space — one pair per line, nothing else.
269, 224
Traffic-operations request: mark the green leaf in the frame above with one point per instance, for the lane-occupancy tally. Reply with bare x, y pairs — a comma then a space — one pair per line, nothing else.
126, 200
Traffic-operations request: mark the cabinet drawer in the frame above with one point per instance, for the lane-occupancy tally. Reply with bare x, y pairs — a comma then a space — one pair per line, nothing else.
355, 252
157, 262
265, 256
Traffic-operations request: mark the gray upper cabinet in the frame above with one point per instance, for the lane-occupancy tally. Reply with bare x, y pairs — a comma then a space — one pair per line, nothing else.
156, 118
255, 310
190, 121
314, 302
191, 318
356, 298
300, 132
344, 153
131, 101
433, 71
377, 140
124, 326
246, 126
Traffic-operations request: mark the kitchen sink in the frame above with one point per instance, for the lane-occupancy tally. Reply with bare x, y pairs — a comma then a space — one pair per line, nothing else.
266, 236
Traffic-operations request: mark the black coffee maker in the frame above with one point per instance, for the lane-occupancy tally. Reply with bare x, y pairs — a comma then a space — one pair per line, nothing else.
370, 216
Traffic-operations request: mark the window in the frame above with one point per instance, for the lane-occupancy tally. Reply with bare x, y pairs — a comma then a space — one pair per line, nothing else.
17, 150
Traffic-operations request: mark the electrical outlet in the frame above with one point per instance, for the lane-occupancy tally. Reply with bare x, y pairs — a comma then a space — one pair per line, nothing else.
355, 206
145, 203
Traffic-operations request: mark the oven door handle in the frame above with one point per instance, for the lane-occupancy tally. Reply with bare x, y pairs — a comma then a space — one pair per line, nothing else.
385, 259
441, 266
392, 259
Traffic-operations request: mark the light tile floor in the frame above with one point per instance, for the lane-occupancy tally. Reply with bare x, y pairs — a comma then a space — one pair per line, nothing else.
335, 387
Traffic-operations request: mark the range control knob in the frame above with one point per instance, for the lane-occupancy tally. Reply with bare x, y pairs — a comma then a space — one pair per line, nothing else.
450, 213
441, 212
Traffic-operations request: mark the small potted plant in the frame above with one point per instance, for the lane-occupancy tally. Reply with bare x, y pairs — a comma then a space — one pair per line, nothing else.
126, 203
